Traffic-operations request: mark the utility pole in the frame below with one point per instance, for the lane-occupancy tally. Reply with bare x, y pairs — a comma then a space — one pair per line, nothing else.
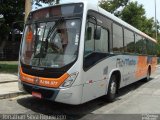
28, 6
156, 18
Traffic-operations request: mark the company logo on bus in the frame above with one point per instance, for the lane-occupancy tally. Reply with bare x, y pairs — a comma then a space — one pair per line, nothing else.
36, 81
37, 68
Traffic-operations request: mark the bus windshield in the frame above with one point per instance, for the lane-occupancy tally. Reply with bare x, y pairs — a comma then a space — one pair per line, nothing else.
51, 44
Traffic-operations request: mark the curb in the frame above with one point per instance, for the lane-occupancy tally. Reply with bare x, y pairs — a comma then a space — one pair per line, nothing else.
11, 95
8, 81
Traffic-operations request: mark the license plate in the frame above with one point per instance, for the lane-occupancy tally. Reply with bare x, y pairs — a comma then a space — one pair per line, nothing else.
36, 94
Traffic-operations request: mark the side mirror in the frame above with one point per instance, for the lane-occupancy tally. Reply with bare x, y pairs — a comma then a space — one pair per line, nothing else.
97, 33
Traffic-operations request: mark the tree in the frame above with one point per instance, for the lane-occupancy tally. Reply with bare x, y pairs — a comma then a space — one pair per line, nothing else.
135, 14
132, 13
11, 10
113, 5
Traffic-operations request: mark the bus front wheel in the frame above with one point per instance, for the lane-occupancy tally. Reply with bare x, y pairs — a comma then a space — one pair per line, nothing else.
112, 89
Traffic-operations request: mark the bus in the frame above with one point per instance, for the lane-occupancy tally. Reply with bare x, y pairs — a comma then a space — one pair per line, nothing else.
73, 53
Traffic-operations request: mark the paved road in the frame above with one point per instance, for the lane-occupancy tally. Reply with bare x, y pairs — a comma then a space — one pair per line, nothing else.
134, 102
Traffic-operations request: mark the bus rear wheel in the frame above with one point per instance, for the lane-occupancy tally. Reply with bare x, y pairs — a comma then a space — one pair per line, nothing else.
112, 89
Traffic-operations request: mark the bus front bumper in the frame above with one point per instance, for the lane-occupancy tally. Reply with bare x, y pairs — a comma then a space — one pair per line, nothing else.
70, 95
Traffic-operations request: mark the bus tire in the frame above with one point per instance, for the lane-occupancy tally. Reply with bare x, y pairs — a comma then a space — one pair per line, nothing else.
112, 89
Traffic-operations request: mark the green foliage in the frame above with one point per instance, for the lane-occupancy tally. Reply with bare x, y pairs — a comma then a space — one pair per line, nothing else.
4, 30
8, 67
158, 45
148, 26
159, 38
12, 10
112, 6
134, 14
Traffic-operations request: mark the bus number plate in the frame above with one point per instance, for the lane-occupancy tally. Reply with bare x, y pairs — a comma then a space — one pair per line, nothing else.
36, 94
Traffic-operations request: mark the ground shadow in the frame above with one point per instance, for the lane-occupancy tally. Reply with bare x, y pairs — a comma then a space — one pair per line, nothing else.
133, 86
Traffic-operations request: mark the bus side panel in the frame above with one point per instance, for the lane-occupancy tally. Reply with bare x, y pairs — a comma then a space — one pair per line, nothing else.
142, 67
101, 73
154, 64
128, 64
94, 82
96, 79
93, 90
143, 64
70, 95
132, 68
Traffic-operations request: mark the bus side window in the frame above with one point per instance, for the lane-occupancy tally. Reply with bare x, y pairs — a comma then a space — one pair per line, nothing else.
139, 44
117, 38
129, 44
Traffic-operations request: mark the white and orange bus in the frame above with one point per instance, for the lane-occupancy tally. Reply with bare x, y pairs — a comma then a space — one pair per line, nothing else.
76, 52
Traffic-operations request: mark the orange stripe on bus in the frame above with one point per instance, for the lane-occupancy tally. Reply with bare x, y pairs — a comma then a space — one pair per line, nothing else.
41, 81
154, 64
141, 67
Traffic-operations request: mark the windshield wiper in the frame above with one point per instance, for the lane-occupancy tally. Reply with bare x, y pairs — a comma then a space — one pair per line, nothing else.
44, 45
51, 30
54, 26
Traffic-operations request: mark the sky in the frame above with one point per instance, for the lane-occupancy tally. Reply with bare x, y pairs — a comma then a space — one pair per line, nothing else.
149, 6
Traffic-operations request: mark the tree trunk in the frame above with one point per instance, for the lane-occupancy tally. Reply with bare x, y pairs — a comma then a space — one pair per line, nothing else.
27, 8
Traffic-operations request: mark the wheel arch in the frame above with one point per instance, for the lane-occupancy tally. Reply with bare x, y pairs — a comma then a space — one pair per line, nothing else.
118, 75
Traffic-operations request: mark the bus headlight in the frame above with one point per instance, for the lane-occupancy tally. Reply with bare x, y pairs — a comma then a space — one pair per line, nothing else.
69, 81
